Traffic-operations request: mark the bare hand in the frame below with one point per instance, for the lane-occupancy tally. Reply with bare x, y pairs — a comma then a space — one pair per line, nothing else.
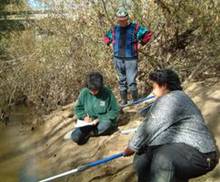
128, 152
111, 46
95, 121
87, 119
138, 46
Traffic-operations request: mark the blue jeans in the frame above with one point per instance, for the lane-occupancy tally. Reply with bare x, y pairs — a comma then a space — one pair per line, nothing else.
81, 135
127, 72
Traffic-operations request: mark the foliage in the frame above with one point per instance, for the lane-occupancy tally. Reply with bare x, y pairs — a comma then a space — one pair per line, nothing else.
47, 62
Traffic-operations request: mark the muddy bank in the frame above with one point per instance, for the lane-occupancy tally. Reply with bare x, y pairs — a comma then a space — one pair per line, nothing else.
43, 152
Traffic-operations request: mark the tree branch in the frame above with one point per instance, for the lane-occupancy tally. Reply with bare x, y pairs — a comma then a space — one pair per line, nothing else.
105, 10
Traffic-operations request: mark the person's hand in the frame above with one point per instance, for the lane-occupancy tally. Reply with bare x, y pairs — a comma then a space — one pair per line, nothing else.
128, 152
111, 46
87, 119
95, 121
138, 46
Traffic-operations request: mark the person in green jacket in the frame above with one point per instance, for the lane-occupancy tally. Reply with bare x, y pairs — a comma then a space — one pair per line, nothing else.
96, 103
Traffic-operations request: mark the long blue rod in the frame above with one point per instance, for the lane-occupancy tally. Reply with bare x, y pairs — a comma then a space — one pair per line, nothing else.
84, 167
140, 100
107, 159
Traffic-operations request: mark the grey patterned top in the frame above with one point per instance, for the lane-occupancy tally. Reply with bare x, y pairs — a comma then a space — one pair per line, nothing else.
173, 118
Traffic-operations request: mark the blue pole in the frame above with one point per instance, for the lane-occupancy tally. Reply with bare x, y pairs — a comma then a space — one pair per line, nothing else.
140, 100
84, 167
105, 160
144, 99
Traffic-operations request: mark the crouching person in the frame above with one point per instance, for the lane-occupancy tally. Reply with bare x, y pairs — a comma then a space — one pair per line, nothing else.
97, 104
173, 144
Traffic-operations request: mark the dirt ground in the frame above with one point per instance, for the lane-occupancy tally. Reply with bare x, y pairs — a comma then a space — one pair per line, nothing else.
56, 155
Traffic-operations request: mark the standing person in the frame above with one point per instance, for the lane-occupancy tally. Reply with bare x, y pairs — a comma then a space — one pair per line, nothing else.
125, 39
173, 143
95, 102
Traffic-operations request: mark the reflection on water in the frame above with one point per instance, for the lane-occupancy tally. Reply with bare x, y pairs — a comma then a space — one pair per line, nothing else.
28, 172
17, 147
28, 154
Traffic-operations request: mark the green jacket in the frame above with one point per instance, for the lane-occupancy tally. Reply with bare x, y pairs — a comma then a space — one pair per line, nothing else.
102, 106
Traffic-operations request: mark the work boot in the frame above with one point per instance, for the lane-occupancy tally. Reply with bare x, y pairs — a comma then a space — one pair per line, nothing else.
134, 94
124, 99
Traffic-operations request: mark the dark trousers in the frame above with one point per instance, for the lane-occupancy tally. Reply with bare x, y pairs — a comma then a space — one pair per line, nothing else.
127, 72
172, 163
81, 135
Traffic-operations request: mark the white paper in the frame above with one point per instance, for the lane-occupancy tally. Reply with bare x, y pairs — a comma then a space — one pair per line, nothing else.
81, 123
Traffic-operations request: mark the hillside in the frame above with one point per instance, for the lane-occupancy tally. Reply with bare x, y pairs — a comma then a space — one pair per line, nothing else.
63, 155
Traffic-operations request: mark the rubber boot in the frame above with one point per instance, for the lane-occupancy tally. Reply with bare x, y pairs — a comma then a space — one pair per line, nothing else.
134, 94
124, 99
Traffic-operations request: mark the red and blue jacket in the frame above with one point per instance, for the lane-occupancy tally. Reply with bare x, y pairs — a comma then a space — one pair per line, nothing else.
125, 39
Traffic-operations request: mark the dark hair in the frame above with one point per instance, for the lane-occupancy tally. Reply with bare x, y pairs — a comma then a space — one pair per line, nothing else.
166, 77
94, 80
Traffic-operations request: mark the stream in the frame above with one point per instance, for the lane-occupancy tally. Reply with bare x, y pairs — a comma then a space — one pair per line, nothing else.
18, 143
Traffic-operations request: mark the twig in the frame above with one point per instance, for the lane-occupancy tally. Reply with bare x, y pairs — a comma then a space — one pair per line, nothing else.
192, 75
104, 7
